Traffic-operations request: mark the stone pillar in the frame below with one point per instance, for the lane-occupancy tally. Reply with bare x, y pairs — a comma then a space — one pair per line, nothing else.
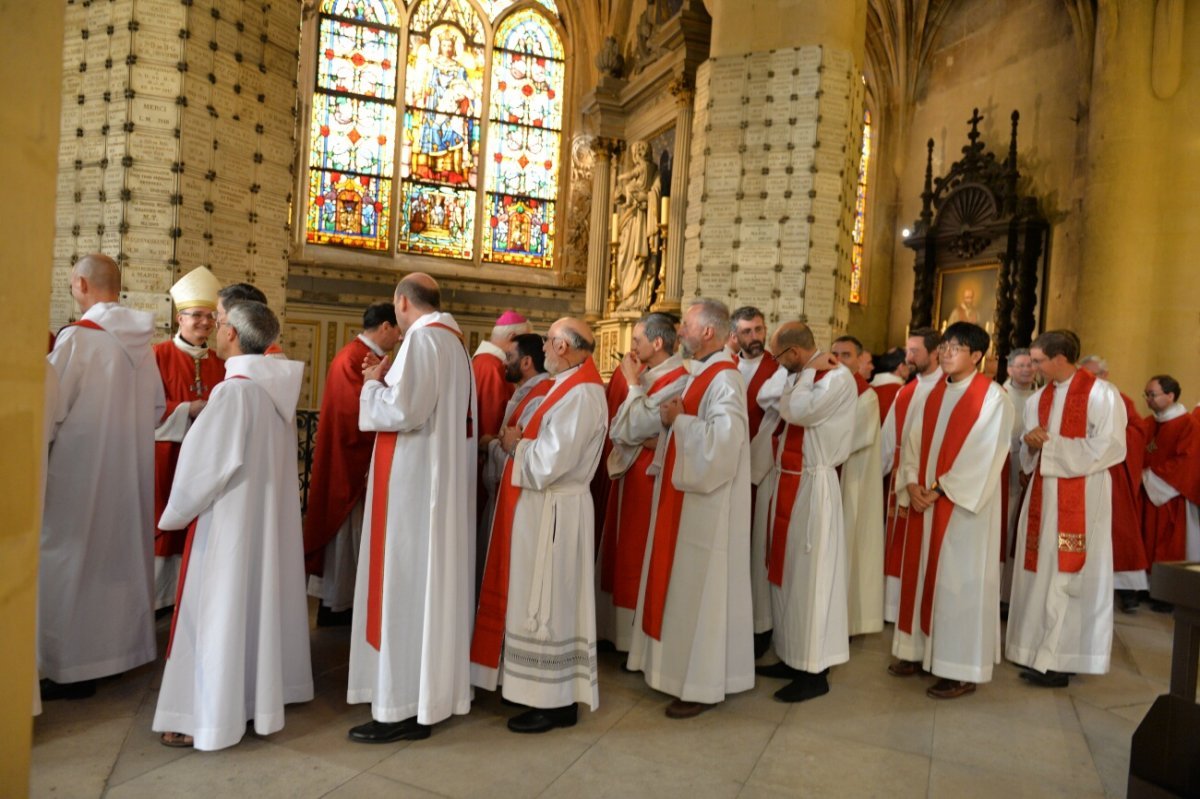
774, 155
672, 269
31, 35
599, 233
1135, 298
178, 144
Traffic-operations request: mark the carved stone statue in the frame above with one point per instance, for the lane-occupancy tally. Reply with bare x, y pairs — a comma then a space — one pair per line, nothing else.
637, 198
609, 60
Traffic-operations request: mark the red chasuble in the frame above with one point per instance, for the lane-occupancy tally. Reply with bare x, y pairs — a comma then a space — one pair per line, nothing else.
1129, 551
766, 367
897, 517
493, 391
628, 516
342, 457
670, 511
487, 642
1172, 452
184, 379
1072, 506
958, 426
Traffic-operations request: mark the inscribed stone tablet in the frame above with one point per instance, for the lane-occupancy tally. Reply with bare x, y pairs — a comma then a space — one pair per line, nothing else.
154, 113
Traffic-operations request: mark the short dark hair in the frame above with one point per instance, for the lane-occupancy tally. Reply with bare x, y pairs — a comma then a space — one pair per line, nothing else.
857, 344
969, 335
1169, 385
889, 361
1058, 342
747, 313
257, 327
530, 345
660, 325
240, 292
423, 296
378, 313
930, 337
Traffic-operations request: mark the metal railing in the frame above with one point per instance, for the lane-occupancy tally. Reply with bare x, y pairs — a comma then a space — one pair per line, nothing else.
306, 441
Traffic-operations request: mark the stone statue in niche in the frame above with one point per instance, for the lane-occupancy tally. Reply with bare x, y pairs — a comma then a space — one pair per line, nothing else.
637, 198
644, 52
582, 162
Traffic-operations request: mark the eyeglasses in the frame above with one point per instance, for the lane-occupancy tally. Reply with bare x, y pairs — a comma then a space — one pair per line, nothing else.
952, 349
200, 315
779, 354
1151, 394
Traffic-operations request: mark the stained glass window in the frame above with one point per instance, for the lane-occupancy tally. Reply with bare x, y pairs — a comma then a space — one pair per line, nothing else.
495, 7
351, 147
524, 142
860, 213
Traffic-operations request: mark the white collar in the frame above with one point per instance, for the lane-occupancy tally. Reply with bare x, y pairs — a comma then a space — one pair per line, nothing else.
1173, 412
191, 349
375, 348
488, 348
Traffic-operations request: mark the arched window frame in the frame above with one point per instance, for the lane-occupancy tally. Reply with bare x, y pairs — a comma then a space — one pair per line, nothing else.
389, 257
862, 184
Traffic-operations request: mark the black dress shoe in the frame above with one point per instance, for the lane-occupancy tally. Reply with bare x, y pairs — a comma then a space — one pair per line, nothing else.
328, 617
1049, 679
544, 719
386, 732
52, 690
604, 645
780, 671
762, 642
1127, 601
1158, 606
804, 687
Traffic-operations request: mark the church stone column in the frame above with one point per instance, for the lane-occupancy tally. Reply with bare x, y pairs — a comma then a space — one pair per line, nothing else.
776, 134
672, 293
1135, 298
599, 233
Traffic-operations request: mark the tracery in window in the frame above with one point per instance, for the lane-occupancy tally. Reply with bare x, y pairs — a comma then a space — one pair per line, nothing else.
351, 147
524, 141
860, 213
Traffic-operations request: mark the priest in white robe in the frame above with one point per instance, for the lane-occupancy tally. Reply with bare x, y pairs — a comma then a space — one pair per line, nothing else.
1060, 619
950, 475
1020, 388
239, 639
921, 354
692, 632
411, 631
655, 374
535, 628
96, 567
763, 473
806, 555
862, 499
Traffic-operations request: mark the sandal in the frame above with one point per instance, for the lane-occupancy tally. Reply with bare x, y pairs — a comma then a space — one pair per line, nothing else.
176, 739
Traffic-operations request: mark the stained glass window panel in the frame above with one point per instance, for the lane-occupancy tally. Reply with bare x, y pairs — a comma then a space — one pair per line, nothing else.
860, 213
357, 59
497, 7
382, 12
443, 99
438, 221
519, 230
524, 141
350, 210
351, 135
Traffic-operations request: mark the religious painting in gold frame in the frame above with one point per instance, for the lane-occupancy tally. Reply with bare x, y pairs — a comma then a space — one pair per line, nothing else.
967, 294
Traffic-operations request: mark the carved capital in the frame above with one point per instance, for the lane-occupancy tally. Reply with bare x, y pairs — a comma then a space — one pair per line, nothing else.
603, 147
682, 89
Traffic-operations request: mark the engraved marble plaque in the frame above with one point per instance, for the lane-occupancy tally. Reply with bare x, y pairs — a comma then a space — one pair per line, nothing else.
157, 303
154, 113
151, 183
151, 214
152, 148
147, 278
148, 244
161, 50
159, 81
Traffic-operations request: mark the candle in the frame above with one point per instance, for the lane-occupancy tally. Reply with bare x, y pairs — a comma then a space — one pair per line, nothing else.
615, 238
665, 207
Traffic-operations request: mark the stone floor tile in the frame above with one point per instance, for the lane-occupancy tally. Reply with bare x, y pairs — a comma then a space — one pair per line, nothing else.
373, 785
1108, 736
608, 771
949, 780
74, 758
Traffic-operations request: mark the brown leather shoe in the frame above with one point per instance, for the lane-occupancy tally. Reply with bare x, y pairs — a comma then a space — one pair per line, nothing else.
950, 689
686, 710
904, 668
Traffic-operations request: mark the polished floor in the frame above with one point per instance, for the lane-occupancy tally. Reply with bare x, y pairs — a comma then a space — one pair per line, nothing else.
872, 735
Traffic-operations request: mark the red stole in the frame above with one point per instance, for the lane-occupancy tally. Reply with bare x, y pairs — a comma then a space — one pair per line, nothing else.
88, 323
273, 349
897, 517
627, 516
887, 395
187, 552
487, 642
670, 511
493, 391
601, 488
540, 390
861, 384
342, 457
766, 367
1072, 511
385, 450
958, 426
791, 464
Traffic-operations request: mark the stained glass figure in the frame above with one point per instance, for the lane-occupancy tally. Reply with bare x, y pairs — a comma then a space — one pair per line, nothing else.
351, 147
858, 235
524, 141
440, 142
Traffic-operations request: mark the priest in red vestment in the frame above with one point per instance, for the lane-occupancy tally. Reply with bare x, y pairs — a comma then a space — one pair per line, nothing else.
891, 373
1171, 477
189, 372
341, 460
492, 390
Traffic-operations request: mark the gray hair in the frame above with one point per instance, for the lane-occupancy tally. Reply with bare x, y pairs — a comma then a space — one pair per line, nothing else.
714, 314
506, 333
660, 326
256, 325
1101, 364
577, 341
1016, 353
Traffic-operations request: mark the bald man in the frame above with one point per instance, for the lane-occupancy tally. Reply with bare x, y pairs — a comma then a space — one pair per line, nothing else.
96, 573
413, 595
535, 629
